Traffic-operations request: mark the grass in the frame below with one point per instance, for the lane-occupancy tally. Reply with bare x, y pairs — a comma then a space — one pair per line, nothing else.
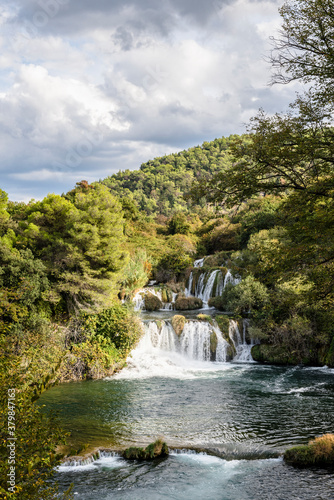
319, 451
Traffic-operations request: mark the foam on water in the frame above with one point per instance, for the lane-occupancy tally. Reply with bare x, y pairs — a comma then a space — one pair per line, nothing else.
111, 462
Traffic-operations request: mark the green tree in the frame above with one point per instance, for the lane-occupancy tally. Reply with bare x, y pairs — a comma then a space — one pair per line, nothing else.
304, 49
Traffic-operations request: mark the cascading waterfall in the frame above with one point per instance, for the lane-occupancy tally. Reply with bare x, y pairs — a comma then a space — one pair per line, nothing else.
242, 348
139, 299
206, 292
199, 341
205, 286
199, 262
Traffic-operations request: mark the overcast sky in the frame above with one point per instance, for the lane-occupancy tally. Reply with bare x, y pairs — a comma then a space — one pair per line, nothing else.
91, 87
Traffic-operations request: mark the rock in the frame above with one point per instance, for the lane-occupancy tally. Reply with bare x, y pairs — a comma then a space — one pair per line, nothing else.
178, 323
152, 451
152, 302
188, 303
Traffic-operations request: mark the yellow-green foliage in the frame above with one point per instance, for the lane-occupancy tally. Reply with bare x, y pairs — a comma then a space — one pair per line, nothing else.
223, 236
178, 323
319, 451
166, 295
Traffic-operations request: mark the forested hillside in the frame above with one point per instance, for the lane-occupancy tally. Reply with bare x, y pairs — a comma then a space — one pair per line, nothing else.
161, 185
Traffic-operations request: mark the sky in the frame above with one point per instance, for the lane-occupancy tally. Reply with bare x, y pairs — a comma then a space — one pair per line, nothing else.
91, 87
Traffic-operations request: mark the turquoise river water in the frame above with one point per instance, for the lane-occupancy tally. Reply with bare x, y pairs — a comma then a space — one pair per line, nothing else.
227, 424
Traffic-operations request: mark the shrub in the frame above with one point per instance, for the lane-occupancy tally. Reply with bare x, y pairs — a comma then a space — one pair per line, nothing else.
319, 451
152, 451
188, 303
152, 302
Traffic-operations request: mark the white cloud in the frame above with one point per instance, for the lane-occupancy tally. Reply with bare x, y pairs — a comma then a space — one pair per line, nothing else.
104, 86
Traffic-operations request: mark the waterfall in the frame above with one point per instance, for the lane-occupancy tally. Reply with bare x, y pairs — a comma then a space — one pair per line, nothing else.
190, 284
204, 285
204, 288
160, 338
229, 278
139, 299
242, 348
206, 291
222, 345
195, 342
199, 262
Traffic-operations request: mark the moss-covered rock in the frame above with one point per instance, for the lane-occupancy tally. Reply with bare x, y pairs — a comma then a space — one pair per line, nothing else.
188, 303
318, 452
178, 323
205, 317
223, 323
152, 302
166, 295
152, 451
213, 343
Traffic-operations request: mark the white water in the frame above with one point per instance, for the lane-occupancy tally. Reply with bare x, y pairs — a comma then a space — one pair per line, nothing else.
162, 353
199, 262
243, 349
204, 286
206, 291
139, 299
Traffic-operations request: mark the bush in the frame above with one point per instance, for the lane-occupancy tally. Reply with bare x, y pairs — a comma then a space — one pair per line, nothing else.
320, 451
152, 451
188, 303
248, 296
178, 224
152, 302
218, 302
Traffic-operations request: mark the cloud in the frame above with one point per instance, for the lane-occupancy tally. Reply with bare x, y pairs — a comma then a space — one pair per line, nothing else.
89, 88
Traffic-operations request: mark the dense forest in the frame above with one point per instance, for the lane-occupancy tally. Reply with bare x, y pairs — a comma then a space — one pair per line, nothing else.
261, 203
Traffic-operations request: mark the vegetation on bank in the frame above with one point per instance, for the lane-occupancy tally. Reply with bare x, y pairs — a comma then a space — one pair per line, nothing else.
318, 452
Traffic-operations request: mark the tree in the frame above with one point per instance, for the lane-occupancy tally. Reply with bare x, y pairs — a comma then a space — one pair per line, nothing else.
304, 49
79, 239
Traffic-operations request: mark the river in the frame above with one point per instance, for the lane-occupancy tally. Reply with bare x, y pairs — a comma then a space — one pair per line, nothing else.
227, 424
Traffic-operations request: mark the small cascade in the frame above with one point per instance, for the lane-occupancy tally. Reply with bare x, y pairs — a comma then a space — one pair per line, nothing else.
242, 347
187, 291
199, 340
206, 292
229, 278
95, 457
209, 283
222, 345
199, 262
139, 299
